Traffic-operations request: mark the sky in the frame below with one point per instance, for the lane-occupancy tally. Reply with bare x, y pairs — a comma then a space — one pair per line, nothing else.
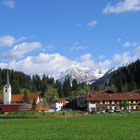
49, 36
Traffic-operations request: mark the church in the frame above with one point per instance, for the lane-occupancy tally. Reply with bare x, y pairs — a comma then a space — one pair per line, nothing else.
7, 95
17, 102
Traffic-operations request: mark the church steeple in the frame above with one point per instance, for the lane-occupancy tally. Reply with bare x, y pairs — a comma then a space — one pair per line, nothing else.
7, 91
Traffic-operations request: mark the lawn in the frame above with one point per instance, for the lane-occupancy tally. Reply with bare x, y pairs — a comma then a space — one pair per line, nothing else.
87, 127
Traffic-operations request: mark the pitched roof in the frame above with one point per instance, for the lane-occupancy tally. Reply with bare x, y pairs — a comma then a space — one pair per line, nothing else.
20, 97
113, 96
17, 98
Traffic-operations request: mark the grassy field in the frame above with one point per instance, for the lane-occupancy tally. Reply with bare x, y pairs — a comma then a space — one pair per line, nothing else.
87, 127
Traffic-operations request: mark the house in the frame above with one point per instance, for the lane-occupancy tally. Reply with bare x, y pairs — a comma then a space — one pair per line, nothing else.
58, 104
98, 101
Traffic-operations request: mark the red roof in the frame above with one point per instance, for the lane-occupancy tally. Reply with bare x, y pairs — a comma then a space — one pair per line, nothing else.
113, 96
17, 98
21, 97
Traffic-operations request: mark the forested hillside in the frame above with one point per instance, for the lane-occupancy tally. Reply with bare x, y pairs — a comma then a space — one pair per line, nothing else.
45, 86
122, 80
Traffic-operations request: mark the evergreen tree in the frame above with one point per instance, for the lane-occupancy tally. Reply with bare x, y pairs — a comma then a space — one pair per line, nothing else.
44, 86
67, 87
74, 84
59, 87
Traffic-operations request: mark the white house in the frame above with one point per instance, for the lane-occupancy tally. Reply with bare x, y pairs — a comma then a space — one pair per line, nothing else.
99, 101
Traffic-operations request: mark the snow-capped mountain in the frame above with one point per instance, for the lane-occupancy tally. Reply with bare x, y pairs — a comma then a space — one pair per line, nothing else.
110, 71
80, 74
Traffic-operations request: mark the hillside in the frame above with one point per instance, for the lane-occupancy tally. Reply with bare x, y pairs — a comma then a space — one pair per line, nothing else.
126, 78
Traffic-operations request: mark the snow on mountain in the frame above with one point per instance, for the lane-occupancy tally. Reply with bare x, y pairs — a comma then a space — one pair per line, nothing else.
81, 74
110, 71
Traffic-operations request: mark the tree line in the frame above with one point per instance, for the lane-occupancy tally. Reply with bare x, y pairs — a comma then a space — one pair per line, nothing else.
46, 86
125, 79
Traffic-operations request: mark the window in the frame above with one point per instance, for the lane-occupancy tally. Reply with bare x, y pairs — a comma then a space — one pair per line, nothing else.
110, 102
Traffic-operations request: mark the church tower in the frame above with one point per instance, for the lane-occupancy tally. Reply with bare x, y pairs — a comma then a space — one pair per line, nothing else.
7, 91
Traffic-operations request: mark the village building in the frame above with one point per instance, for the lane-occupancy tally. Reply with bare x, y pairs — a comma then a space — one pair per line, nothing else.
58, 104
99, 101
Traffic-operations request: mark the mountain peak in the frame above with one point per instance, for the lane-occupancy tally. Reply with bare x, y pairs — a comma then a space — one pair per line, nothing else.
81, 74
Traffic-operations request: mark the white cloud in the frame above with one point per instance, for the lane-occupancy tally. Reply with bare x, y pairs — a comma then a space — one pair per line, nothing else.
87, 61
43, 63
9, 3
19, 50
122, 58
123, 6
7, 41
92, 23
137, 51
130, 44
78, 47
53, 64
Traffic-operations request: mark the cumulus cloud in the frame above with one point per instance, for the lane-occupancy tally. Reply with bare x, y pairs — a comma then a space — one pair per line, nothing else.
78, 47
137, 51
92, 23
123, 6
53, 64
19, 50
122, 58
7, 41
88, 61
9, 3
43, 63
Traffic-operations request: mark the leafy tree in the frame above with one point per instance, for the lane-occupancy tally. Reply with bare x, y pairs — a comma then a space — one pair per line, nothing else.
51, 94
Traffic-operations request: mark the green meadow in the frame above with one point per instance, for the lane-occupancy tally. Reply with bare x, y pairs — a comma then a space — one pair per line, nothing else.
121, 126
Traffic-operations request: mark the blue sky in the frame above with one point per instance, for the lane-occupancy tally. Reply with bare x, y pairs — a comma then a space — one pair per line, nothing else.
49, 36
